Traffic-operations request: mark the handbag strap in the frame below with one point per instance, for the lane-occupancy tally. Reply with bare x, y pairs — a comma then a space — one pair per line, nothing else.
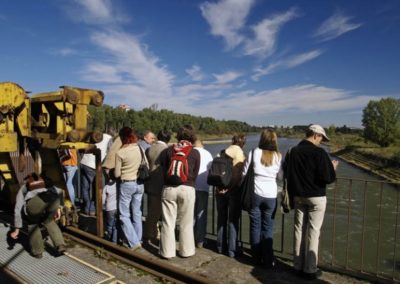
287, 162
143, 161
252, 160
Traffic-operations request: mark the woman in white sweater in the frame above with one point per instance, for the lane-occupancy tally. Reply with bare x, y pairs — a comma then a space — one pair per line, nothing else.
267, 164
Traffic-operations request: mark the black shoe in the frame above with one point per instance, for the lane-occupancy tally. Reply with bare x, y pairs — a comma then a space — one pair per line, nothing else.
38, 255
312, 276
61, 249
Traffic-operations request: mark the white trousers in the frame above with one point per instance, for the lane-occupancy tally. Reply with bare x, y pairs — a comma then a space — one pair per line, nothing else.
308, 219
177, 202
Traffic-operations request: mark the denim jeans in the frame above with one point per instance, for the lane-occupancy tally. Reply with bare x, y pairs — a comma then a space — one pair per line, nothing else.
130, 200
111, 225
69, 173
262, 215
87, 177
200, 216
229, 210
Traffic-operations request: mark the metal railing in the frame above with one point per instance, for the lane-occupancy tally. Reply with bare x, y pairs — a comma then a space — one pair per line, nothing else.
360, 234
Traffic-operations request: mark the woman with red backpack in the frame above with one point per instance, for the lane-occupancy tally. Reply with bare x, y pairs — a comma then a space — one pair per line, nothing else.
181, 163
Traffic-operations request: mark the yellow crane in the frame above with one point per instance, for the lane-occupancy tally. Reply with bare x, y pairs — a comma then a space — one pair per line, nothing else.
44, 122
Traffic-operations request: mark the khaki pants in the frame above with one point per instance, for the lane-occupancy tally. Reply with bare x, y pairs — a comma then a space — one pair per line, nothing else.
40, 212
308, 219
177, 201
153, 216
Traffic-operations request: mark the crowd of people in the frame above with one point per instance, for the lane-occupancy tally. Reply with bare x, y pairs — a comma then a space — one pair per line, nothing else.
178, 193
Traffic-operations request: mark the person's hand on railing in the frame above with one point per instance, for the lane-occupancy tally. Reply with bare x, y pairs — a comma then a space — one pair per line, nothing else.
335, 164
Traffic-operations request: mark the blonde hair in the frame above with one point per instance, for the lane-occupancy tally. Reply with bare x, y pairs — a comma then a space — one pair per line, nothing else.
269, 145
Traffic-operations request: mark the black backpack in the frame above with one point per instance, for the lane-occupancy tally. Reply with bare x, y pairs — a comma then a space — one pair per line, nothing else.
220, 173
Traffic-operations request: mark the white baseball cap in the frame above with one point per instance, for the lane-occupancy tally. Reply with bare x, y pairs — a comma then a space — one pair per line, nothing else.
319, 130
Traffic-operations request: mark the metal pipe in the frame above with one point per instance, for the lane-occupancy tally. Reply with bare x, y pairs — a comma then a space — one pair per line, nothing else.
395, 232
99, 194
334, 223
363, 227
379, 229
154, 264
213, 210
348, 223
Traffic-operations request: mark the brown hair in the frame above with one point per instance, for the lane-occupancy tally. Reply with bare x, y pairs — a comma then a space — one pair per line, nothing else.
186, 133
127, 135
239, 140
269, 145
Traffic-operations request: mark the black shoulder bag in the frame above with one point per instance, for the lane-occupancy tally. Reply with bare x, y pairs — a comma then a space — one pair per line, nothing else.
143, 172
286, 199
247, 186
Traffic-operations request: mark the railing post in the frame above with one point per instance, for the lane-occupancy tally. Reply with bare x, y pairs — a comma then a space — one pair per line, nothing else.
363, 227
348, 222
379, 229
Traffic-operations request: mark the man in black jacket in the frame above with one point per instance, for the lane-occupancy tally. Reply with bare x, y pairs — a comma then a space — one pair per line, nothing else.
309, 169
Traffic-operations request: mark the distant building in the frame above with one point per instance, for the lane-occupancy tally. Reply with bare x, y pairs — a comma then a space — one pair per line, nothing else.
124, 107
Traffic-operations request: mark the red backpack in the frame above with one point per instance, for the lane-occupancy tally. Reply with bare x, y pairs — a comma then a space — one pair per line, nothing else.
178, 171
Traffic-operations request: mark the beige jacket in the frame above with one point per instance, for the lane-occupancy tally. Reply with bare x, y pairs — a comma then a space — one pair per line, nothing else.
127, 162
238, 156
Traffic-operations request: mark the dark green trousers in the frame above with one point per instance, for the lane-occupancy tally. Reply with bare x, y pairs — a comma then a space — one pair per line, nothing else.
40, 213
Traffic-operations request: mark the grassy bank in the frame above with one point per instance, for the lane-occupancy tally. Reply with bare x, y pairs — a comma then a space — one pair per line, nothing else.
383, 161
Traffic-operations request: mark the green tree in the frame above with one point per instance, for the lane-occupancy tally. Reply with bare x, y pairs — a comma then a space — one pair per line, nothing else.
381, 121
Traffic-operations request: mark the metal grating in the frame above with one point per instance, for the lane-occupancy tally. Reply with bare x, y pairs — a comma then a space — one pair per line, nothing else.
49, 269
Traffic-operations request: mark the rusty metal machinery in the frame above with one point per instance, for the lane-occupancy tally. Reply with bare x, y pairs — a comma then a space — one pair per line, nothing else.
45, 122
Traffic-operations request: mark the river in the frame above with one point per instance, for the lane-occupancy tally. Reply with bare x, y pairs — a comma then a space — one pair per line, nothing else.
360, 231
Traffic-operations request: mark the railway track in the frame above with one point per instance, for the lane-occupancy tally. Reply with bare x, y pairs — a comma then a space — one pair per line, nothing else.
157, 268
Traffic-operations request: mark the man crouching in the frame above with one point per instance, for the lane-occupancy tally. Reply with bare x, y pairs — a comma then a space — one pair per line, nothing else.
39, 203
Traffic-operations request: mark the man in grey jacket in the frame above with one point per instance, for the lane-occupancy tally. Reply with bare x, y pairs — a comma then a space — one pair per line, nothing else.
39, 203
154, 186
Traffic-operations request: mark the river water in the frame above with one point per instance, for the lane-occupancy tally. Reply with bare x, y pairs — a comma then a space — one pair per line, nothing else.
361, 227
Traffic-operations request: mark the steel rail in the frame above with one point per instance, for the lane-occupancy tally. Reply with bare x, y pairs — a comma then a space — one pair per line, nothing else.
151, 265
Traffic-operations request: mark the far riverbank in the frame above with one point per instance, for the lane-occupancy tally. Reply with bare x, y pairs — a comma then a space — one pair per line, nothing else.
385, 167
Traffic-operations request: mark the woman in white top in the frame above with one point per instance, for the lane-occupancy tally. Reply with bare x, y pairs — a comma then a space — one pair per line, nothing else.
266, 163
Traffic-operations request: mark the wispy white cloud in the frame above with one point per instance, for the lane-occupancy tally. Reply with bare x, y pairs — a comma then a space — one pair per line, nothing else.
227, 77
129, 72
96, 12
335, 26
195, 73
256, 107
132, 60
226, 18
265, 34
65, 51
287, 63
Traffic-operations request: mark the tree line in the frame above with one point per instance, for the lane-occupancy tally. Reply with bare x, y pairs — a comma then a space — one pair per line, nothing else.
106, 117
381, 121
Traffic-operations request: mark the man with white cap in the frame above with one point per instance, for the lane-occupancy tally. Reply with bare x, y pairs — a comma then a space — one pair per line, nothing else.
308, 170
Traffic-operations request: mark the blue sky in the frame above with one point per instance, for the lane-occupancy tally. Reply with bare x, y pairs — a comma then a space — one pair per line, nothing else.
266, 62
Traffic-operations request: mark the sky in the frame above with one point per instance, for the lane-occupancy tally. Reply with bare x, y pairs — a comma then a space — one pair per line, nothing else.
265, 62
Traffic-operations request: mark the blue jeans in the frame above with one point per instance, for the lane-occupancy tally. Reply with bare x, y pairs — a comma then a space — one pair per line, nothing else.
111, 225
130, 200
87, 177
200, 216
69, 173
262, 215
229, 210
